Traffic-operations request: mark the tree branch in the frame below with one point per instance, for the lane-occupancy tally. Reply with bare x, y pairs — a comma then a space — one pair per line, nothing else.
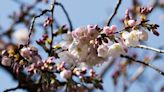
32, 25
144, 63
149, 48
114, 13
34, 19
67, 15
12, 89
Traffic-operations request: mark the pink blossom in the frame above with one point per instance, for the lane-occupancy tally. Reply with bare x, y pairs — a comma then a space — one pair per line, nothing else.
109, 30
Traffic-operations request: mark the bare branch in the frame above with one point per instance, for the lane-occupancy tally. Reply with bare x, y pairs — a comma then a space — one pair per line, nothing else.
113, 14
144, 63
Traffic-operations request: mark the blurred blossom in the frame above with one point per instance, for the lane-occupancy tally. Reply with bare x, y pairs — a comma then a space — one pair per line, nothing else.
143, 35
31, 53
21, 36
66, 74
6, 61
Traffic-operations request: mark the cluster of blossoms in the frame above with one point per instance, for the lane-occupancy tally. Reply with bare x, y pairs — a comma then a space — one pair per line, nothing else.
27, 60
91, 45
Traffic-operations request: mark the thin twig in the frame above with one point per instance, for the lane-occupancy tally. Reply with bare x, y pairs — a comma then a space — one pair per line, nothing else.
149, 48
67, 15
144, 63
114, 13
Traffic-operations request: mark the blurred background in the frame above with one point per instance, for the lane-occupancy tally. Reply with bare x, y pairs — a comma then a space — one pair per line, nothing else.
82, 13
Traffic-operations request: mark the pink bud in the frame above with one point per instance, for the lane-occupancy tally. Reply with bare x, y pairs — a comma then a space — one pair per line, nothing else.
113, 27
107, 30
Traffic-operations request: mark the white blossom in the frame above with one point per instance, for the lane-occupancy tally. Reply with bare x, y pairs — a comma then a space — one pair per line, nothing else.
66, 40
115, 50
102, 51
67, 57
132, 38
80, 51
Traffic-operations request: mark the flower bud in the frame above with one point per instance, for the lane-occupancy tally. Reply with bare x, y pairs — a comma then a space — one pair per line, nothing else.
113, 27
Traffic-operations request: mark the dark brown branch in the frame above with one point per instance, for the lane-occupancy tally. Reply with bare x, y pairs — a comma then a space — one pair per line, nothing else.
113, 14
144, 63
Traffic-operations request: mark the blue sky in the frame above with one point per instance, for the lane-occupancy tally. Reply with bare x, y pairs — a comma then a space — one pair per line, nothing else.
82, 13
